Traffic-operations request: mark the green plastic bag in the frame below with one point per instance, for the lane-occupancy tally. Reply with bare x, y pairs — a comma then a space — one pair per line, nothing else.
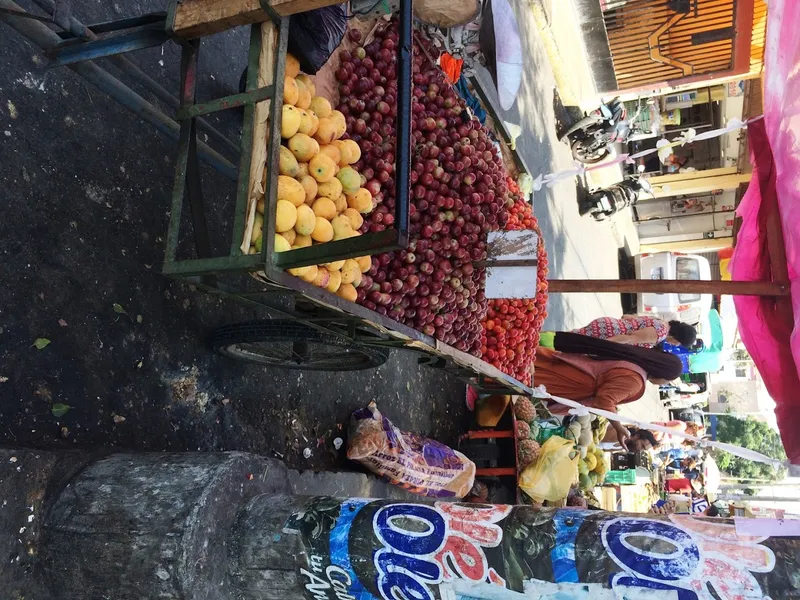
550, 476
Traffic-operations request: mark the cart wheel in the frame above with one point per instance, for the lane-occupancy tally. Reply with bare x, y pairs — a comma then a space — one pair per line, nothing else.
291, 345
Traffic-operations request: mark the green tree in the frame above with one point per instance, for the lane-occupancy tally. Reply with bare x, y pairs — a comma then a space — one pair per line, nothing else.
753, 435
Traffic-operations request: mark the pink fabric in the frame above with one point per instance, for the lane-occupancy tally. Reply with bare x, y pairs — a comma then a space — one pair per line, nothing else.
767, 326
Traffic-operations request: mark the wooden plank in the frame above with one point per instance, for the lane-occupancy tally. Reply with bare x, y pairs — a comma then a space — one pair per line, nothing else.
669, 286
196, 18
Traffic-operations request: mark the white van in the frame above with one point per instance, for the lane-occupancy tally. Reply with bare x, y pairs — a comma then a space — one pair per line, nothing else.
688, 308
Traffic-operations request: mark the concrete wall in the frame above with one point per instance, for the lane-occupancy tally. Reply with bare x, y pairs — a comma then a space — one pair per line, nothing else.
595, 40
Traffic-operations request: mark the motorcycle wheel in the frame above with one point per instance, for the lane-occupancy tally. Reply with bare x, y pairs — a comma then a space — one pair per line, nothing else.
599, 216
586, 154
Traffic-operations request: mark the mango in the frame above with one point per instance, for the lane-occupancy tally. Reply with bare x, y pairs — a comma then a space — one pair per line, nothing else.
310, 186
321, 106
344, 153
334, 281
258, 227
290, 189
302, 169
303, 95
308, 82
330, 189
259, 245
307, 274
325, 208
361, 201
321, 168
260, 205
281, 244
292, 66
288, 163
341, 204
354, 150
335, 265
290, 91
308, 124
350, 270
252, 250
289, 236
323, 231
306, 220
286, 216
341, 227
341, 123
303, 147
350, 179
323, 278
356, 220
290, 121
331, 152
364, 263
357, 280
326, 132
302, 241
348, 292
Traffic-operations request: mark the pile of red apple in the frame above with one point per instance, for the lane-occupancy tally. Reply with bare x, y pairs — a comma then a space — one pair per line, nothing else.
460, 191
512, 327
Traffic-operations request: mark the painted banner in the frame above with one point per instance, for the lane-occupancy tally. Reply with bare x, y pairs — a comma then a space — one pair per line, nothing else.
358, 549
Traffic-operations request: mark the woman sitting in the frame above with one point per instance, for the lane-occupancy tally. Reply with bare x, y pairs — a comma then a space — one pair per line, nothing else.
645, 332
599, 373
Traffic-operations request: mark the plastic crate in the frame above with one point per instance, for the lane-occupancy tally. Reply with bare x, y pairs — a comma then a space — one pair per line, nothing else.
621, 477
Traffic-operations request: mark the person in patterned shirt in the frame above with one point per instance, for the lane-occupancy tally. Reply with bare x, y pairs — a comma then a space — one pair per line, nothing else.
642, 331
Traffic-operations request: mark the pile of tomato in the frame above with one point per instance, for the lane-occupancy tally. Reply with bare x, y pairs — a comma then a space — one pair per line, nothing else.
512, 327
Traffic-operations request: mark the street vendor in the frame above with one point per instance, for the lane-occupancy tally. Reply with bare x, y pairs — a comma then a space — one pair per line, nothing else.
641, 331
640, 440
599, 373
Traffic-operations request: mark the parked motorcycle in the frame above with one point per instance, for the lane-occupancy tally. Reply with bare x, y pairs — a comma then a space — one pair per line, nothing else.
589, 138
603, 203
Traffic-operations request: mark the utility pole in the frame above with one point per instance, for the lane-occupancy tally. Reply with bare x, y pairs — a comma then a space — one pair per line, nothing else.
229, 526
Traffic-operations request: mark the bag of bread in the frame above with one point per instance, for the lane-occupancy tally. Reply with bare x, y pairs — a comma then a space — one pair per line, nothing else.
416, 463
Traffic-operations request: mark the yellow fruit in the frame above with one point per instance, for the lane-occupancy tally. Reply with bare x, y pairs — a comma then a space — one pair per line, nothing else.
321, 168
303, 95
302, 241
361, 201
306, 220
364, 263
310, 186
286, 216
289, 236
331, 152
334, 282
341, 204
258, 227
350, 180
335, 266
323, 231
330, 189
290, 91
305, 122
260, 204
305, 273
348, 292
252, 250
326, 132
292, 66
354, 150
341, 227
321, 106
324, 207
308, 82
303, 147
357, 280
341, 125
259, 245
302, 169
291, 190
344, 152
288, 163
591, 461
356, 220
290, 121
323, 278
349, 271
314, 122
281, 243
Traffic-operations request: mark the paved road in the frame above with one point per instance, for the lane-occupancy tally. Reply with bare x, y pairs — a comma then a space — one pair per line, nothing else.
578, 248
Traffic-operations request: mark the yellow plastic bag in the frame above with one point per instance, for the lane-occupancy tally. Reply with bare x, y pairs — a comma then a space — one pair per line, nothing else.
550, 476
